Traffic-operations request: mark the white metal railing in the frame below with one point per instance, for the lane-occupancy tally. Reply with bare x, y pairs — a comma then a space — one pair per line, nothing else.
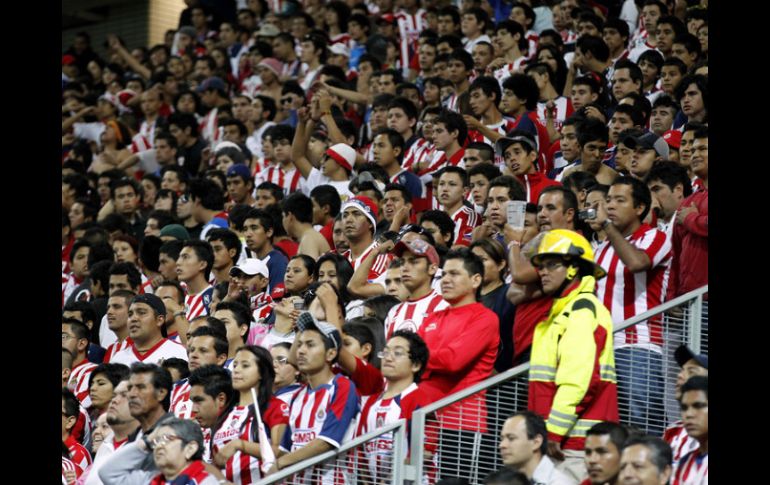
508, 392
351, 461
505, 393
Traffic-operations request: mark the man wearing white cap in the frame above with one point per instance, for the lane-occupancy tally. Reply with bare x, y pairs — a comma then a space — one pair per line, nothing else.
359, 222
251, 278
335, 169
339, 55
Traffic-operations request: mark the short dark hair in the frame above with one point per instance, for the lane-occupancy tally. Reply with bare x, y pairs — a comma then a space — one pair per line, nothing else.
179, 364
670, 173
203, 252
506, 476
208, 192
128, 269
485, 150
640, 194
634, 72
405, 194
327, 195
228, 238
275, 190
590, 130
406, 105
71, 403
172, 248
513, 28
282, 132
515, 189
524, 87
633, 111
595, 45
456, 170
395, 139
488, 170
535, 426
240, 312
471, 262
220, 340
213, 379
676, 62
460, 54
617, 432
179, 289
454, 122
696, 383
418, 350
264, 218
78, 328
268, 104
441, 219
161, 379
660, 456
183, 121
300, 205
489, 86
690, 43
362, 334
654, 57
85, 308
568, 197
620, 25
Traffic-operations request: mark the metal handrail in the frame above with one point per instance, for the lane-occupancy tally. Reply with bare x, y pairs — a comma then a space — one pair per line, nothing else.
399, 439
418, 417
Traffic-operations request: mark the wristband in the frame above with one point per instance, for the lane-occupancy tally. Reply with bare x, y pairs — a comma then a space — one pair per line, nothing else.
514, 243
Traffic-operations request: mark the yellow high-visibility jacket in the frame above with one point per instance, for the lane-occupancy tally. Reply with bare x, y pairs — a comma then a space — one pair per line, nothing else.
572, 381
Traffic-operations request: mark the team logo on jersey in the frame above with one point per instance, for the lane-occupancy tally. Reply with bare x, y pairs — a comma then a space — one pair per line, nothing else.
430, 327
408, 325
320, 415
380, 421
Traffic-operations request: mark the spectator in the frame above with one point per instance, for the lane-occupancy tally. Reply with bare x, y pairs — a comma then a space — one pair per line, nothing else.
694, 467
646, 461
634, 248
604, 445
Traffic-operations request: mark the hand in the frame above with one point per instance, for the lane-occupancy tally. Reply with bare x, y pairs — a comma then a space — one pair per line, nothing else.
554, 451
682, 213
171, 305
472, 122
385, 247
326, 296
496, 64
114, 42
233, 292
223, 454
401, 216
206, 153
485, 230
597, 224
70, 476
155, 282
324, 101
273, 469
304, 113
511, 234
550, 107
592, 112
88, 110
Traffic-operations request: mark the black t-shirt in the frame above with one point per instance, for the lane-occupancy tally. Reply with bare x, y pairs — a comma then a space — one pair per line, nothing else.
190, 157
505, 310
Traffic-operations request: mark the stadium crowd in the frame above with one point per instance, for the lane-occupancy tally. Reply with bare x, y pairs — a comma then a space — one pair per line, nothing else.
294, 222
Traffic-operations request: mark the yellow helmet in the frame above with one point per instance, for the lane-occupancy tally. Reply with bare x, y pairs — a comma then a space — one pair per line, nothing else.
563, 242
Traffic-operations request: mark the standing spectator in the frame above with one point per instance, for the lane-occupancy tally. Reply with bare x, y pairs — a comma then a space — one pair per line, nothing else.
572, 375
689, 269
637, 259
454, 365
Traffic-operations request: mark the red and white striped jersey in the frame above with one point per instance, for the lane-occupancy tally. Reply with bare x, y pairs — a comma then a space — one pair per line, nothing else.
693, 469
681, 443
409, 28
505, 72
380, 266
164, 349
564, 110
288, 180
367, 152
140, 143
181, 405
376, 412
147, 130
68, 465
116, 347
409, 314
241, 468
627, 294
568, 36
198, 304
342, 38
416, 153
78, 453
68, 286
503, 127
326, 413
208, 127
78, 382
440, 160
532, 39
466, 219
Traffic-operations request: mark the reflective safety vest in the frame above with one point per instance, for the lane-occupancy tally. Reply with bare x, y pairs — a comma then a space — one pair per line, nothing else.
572, 382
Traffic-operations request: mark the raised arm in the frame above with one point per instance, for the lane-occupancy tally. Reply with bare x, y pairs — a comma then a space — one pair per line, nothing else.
299, 144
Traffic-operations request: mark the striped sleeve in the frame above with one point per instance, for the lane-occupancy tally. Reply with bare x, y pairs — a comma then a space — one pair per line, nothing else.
342, 409
656, 246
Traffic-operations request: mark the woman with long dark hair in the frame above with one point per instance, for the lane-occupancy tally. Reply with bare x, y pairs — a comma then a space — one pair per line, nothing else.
237, 436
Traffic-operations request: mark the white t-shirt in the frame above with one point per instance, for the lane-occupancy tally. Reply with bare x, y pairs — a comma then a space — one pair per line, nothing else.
316, 178
165, 349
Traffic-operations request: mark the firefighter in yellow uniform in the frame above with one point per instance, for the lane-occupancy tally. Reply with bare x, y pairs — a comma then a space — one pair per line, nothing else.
572, 382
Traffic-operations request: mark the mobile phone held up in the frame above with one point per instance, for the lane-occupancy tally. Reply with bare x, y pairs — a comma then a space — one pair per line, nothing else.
587, 214
515, 213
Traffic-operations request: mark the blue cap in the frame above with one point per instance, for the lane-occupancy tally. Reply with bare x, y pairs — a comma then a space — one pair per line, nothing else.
212, 83
239, 170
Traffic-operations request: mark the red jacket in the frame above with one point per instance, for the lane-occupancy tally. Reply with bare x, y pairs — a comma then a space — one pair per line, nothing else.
534, 183
690, 245
463, 346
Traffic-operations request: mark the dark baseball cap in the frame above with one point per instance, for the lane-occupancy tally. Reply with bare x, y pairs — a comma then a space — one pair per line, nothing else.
683, 354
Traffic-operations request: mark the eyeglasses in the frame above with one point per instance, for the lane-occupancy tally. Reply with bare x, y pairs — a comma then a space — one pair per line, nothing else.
66, 336
280, 361
396, 354
550, 265
163, 439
